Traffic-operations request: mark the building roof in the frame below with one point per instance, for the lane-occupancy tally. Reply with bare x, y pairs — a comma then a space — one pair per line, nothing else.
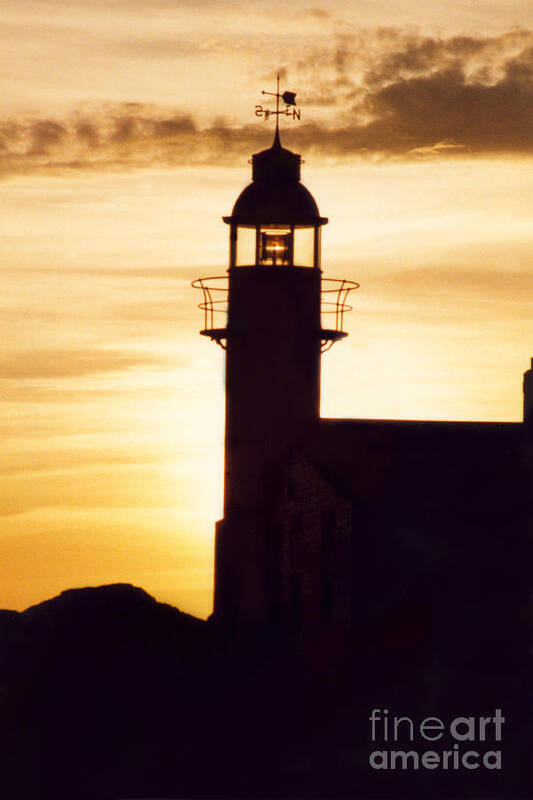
471, 466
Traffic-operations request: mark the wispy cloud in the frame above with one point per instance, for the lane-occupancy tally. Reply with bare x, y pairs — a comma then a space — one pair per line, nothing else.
70, 363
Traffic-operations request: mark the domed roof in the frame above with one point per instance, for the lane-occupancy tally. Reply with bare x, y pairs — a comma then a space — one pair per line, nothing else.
275, 195
275, 203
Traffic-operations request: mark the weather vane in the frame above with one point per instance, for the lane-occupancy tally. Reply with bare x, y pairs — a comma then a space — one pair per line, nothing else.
290, 110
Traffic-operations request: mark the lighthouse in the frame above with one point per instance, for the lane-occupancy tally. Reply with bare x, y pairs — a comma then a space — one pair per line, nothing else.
274, 297
377, 546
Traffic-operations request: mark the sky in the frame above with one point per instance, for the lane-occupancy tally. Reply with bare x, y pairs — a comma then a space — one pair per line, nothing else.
125, 132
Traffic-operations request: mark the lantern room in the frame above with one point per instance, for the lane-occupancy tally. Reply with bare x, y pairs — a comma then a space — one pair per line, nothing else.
275, 221
275, 230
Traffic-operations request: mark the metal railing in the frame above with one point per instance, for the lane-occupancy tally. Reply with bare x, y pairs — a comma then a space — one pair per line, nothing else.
215, 303
341, 289
212, 303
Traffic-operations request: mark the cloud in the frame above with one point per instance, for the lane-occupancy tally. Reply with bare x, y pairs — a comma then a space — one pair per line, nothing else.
41, 364
126, 135
467, 298
484, 284
374, 93
445, 108
88, 133
318, 13
45, 134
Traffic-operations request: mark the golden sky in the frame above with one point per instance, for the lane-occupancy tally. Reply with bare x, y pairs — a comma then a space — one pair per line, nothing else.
125, 130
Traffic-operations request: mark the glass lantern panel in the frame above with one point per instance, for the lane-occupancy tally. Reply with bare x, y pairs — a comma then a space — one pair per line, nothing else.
275, 247
304, 247
245, 247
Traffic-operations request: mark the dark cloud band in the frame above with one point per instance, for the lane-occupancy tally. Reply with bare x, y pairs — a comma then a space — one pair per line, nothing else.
402, 96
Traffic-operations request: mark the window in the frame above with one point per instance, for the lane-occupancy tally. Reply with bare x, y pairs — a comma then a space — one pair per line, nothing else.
304, 247
275, 248
245, 254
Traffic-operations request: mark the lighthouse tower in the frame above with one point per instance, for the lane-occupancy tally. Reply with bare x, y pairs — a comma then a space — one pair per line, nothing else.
273, 339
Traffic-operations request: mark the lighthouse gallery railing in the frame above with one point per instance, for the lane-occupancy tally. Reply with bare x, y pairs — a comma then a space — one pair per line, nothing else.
215, 304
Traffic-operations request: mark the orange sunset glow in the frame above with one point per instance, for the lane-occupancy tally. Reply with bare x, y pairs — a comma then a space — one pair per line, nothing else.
125, 133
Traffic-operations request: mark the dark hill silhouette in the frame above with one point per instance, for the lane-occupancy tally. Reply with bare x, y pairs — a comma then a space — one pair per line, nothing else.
107, 693
88, 678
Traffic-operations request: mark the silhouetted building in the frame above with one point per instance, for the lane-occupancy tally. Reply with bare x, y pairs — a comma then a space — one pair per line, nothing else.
404, 537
